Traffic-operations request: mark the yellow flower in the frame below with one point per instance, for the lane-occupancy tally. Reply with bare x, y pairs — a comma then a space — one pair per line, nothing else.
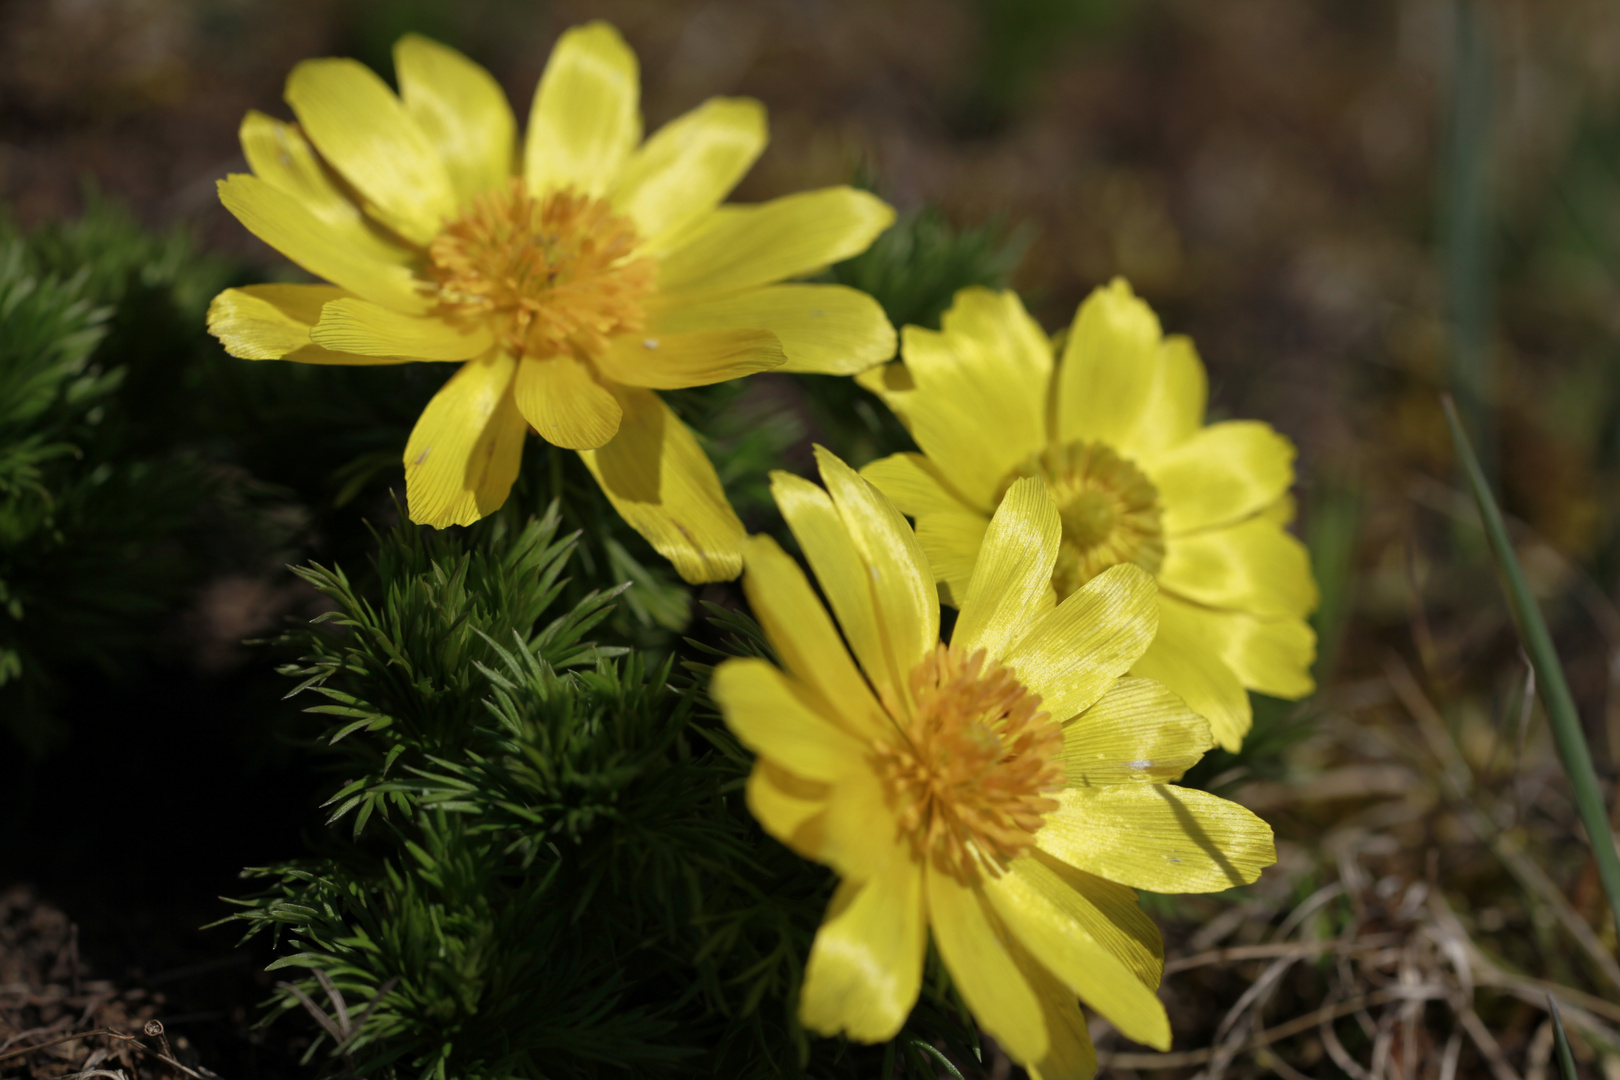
571, 276
1116, 430
1005, 792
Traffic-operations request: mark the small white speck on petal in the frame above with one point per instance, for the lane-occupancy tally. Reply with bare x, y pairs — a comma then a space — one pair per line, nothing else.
422, 456
1140, 765
649, 343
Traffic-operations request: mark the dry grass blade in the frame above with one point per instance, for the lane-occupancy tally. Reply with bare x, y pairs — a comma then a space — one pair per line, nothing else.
1555, 696
1566, 1060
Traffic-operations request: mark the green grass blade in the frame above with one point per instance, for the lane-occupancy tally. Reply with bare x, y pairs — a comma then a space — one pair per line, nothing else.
1554, 691
1566, 1060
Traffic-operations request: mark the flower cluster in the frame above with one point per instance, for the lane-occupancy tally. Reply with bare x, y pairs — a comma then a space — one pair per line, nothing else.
1122, 572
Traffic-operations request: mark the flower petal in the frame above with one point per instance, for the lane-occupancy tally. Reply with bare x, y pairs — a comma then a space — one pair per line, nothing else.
768, 714
461, 109
1191, 667
700, 358
363, 132
1069, 1053
804, 637
689, 165
286, 224
1174, 409
865, 967
1074, 654
1054, 923
662, 483
272, 322
824, 329
1012, 582
1224, 473
949, 528
352, 325
1253, 566
1158, 837
978, 951
586, 115
835, 558
1110, 364
1113, 916
1273, 656
561, 398
464, 452
739, 247
898, 574
279, 154
979, 407
788, 807
1138, 732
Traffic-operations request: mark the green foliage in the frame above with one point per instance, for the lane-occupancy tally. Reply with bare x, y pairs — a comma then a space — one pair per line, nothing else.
917, 266
94, 508
542, 864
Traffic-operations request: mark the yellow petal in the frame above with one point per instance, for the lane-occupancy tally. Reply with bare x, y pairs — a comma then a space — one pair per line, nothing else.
1069, 1053
865, 967
461, 109
1138, 732
363, 132
739, 247
1075, 652
1158, 837
824, 329
1012, 583
978, 951
767, 713
979, 408
1253, 566
661, 482
893, 384
1054, 923
1273, 656
1224, 473
1174, 409
689, 165
279, 154
836, 560
465, 450
862, 838
700, 358
1112, 915
566, 404
897, 570
359, 326
1182, 658
586, 115
949, 528
272, 322
286, 224
952, 542
1110, 364
788, 807
804, 637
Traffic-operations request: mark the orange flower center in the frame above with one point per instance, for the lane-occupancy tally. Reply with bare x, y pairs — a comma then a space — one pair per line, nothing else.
971, 770
558, 273
1110, 511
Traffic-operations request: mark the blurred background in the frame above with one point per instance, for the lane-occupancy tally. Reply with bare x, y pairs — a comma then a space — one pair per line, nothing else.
1352, 206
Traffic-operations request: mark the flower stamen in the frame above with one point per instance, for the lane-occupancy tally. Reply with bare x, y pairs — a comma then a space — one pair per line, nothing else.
972, 770
1109, 510
558, 274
